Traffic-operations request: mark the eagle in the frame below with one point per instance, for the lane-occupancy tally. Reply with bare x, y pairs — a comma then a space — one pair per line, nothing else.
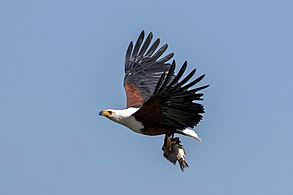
159, 102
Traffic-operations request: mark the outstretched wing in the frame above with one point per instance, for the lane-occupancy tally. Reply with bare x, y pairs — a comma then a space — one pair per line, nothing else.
143, 69
172, 103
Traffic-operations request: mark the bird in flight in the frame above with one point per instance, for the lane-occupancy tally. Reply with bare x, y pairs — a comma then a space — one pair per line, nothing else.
159, 102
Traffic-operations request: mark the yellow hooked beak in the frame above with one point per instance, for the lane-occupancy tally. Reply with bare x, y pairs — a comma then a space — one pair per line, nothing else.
105, 113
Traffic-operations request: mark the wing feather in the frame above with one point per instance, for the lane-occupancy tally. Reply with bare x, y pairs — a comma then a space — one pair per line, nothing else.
153, 48
173, 105
137, 45
128, 55
146, 44
143, 69
159, 52
166, 58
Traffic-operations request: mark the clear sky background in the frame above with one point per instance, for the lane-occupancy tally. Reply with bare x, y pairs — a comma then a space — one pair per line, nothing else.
61, 62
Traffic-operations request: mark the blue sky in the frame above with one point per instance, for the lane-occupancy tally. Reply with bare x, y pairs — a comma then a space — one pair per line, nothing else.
62, 62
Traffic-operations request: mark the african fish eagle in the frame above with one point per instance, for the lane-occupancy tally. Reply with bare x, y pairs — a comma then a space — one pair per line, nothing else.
158, 101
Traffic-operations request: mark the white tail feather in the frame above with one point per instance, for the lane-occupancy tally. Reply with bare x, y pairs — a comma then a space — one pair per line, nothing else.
191, 133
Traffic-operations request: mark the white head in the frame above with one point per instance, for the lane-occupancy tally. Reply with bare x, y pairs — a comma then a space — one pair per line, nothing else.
124, 117
118, 115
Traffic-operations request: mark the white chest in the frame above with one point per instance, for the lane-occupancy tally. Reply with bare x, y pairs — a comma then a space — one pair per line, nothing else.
132, 124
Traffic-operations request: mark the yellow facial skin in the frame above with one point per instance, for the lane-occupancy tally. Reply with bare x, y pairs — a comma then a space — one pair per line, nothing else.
105, 113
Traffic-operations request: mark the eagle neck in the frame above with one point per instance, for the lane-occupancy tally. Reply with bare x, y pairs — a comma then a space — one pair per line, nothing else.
125, 118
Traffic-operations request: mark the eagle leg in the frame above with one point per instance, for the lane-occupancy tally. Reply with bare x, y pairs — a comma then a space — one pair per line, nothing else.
169, 141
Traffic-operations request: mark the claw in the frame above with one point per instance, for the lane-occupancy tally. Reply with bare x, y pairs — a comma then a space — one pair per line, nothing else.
183, 164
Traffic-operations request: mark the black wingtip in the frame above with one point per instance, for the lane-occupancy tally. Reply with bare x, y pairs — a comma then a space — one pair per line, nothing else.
203, 87
145, 45
159, 52
153, 48
173, 63
184, 66
186, 79
151, 35
166, 58
128, 52
141, 35
185, 63
138, 44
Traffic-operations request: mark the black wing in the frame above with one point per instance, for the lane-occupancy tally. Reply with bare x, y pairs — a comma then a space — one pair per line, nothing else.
172, 103
143, 69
